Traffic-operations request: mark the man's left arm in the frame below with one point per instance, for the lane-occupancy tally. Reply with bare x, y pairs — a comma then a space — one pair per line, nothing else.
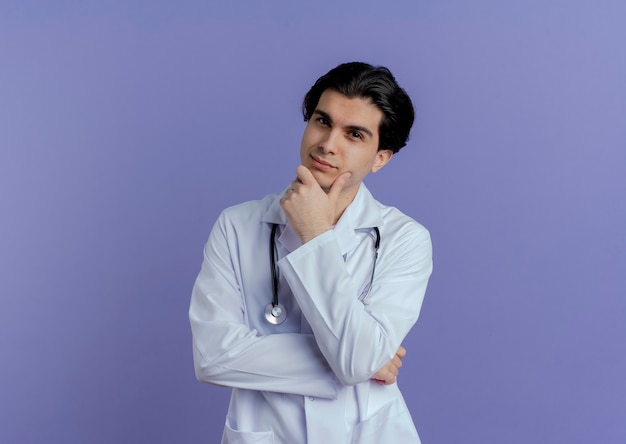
358, 338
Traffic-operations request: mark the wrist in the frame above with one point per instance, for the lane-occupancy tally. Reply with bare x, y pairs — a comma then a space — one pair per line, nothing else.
310, 235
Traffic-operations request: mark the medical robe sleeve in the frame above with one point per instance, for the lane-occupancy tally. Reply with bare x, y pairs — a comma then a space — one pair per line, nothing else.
227, 352
357, 338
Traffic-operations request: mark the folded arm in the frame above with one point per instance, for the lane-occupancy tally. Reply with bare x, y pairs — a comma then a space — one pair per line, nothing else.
359, 339
227, 352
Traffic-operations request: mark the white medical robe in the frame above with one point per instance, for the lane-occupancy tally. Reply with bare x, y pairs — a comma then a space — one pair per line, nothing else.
308, 380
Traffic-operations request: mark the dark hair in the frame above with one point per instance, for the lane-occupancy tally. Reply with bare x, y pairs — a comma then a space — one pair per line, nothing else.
376, 83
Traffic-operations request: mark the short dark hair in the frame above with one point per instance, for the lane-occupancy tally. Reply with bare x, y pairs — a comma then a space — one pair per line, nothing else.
376, 83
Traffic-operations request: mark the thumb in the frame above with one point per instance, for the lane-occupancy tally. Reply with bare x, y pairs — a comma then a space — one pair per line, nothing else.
337, 186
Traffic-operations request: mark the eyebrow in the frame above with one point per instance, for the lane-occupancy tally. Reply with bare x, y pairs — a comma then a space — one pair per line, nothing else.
326, 116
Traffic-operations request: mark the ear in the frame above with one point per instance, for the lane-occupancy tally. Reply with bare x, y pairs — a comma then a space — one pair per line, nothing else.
382, 157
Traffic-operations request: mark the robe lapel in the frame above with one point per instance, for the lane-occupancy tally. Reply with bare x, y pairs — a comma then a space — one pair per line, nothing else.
288, 239
362, 213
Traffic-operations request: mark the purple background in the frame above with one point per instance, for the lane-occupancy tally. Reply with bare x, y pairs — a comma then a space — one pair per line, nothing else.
126, 128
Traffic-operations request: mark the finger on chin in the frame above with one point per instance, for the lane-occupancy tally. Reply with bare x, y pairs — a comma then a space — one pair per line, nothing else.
304, 174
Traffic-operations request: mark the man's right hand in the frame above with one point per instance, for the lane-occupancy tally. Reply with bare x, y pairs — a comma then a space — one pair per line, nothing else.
310, 210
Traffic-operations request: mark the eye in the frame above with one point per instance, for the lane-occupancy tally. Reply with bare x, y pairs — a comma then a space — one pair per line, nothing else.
356, 135
324, 121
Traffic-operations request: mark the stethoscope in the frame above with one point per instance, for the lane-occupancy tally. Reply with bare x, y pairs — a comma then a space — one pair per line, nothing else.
275, 312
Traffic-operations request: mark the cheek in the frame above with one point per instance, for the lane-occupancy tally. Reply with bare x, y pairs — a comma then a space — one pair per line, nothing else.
304, 143
309, 133
359, 172
367, 165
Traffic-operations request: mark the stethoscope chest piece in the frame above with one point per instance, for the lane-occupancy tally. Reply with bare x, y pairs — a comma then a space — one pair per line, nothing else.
275, 314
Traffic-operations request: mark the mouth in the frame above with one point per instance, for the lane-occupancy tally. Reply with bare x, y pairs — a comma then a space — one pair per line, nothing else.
321, 164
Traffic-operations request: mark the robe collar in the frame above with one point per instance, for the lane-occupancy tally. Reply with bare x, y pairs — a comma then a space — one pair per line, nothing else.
364, 212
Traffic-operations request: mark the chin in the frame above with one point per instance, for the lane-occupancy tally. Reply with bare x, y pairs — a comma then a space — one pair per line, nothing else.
323, 181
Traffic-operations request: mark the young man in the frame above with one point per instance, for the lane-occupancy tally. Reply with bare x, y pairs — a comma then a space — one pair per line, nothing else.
308, 334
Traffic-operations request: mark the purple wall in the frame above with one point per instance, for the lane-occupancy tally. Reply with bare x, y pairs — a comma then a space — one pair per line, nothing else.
124, 130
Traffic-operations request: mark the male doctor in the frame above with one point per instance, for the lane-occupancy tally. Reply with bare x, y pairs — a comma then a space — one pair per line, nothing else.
304, 297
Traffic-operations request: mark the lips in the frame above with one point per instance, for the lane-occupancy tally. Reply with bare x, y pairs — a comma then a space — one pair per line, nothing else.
321, 164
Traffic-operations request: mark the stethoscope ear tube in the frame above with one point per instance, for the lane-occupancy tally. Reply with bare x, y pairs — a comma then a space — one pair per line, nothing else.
376, 247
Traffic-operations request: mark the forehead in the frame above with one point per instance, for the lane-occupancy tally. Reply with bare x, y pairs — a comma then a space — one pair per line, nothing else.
350, 111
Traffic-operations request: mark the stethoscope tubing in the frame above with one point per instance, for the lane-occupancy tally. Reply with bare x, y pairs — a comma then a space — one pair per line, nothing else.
275, 313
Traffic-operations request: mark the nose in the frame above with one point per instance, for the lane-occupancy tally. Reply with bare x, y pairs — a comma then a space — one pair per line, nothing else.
330, 142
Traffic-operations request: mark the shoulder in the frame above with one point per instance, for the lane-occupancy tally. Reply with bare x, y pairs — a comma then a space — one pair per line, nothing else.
399, 224
252, 211
406, 242
245, 222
